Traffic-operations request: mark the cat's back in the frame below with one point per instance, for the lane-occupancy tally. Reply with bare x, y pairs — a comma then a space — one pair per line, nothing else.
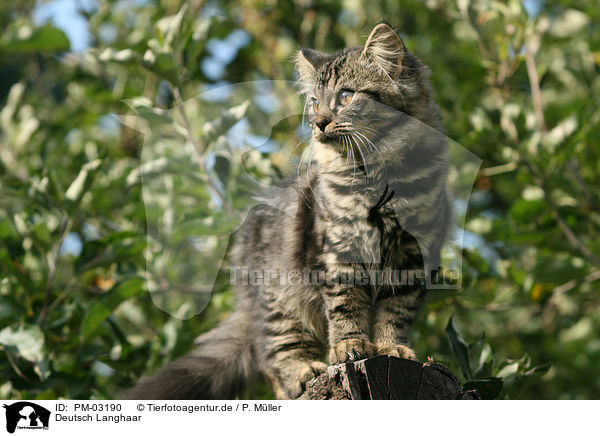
266, 238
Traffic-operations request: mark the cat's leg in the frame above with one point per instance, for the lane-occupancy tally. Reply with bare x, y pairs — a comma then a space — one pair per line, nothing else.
348, 310
394, 315
291, 354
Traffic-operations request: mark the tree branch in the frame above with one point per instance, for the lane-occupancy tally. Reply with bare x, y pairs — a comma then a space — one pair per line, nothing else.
571, 284
564, 227
200, 148
64, 231
499, 169
534, 81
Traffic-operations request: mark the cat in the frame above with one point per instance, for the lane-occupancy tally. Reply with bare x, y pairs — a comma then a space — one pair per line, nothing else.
372, 198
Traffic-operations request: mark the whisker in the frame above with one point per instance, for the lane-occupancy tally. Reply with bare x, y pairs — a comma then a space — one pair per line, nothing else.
353, 160
363, 158
304, 138
346, 150
303, 155
307, 170
304, 111
370, 144
368, 129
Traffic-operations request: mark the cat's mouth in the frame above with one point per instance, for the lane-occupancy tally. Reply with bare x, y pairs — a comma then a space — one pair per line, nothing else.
331, 139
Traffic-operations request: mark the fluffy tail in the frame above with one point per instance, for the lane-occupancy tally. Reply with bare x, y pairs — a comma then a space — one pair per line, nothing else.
217, 369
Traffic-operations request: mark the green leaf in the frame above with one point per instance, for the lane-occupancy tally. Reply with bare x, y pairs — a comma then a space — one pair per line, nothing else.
104, 306
486, 362
41, 39
218, 225
525, 211
459, 347
516, 379
81, 183
7, 231
489, 388
16, 270
569, 23
28, 341
508, 370
169, 28
126, 56
538, 371
220, 125
163, 64
145, 111
10, 309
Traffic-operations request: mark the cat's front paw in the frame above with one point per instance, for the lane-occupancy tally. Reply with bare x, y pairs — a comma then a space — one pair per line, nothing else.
401, 351
351, 349
304, 375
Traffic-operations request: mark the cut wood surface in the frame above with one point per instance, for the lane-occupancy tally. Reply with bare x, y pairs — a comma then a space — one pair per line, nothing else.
387, 378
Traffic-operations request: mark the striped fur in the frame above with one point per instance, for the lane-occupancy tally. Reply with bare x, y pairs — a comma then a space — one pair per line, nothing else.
373, 198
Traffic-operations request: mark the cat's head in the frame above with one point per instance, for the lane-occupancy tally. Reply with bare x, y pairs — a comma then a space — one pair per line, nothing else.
353, 93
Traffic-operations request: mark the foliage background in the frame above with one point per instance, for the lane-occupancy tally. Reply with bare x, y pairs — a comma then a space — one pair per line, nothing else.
518, 84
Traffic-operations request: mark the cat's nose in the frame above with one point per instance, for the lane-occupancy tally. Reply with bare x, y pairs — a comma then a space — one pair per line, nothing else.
322, 122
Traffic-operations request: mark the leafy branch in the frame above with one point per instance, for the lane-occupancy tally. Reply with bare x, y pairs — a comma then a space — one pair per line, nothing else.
478, 365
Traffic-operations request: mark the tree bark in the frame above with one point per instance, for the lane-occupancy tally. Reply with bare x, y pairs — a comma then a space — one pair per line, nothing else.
387, 378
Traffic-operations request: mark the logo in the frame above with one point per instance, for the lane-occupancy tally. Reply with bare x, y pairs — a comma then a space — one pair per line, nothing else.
26, 415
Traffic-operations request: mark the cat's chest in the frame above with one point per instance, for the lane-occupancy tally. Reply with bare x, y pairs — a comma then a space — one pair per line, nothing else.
359, 219
360, 236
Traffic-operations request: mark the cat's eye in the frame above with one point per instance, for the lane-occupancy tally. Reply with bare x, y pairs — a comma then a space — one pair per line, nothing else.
315, 105
346, 97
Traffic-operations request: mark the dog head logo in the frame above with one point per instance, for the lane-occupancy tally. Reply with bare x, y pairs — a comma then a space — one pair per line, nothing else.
26, 415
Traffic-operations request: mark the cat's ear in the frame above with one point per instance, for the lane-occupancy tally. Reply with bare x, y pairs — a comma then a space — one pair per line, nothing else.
385, 48
308, 62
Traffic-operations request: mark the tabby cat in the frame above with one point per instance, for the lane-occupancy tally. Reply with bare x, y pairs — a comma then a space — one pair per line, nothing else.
372, 199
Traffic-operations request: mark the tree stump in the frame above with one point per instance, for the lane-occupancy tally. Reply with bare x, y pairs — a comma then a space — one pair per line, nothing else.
387, 378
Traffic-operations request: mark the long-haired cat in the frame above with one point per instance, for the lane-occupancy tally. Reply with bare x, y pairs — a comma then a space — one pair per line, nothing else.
371, 207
